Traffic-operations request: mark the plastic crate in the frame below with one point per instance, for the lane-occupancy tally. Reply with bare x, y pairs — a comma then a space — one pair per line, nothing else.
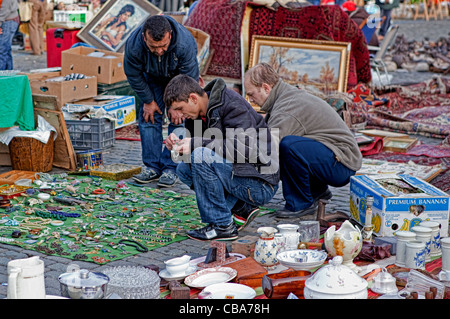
82, 16
91, 134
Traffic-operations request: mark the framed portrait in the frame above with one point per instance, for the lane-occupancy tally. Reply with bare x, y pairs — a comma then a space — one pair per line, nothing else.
112, 25
322, 65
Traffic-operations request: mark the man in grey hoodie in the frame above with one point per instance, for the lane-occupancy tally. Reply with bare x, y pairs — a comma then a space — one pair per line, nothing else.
317, 148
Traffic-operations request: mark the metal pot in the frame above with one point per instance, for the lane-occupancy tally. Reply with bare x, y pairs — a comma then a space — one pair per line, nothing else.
83, 284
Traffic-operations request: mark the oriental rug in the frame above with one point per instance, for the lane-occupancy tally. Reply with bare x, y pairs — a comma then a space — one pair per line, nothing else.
422, 109
329, 23
222, 20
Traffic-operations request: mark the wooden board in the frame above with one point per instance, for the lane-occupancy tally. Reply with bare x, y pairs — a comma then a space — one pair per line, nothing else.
64, 154
383, 134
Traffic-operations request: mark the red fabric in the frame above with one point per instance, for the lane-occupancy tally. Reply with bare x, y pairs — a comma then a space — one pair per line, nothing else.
327, 22
222, 21
373, 148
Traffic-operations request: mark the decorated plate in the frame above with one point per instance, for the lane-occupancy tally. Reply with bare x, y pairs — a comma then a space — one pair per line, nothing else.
210, 276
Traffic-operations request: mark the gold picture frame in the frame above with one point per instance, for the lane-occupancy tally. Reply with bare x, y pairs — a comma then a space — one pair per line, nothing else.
321, 64
399, 144
96, 32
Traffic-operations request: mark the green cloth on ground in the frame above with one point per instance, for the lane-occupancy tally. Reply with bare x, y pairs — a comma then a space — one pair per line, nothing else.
16, 102
116, 220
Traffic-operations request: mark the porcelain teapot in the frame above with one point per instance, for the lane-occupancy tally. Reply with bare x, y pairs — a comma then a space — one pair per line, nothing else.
26, 278
345, 242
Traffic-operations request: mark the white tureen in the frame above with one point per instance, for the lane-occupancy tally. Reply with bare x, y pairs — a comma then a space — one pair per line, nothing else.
335, 281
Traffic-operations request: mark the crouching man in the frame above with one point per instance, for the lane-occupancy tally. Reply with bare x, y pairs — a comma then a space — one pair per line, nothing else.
317, 148
228, 154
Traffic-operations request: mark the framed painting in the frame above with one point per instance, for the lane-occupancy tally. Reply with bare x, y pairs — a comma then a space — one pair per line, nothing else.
112, 25
321, 65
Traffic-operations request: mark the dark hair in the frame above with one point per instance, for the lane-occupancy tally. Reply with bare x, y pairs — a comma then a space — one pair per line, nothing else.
262, 73
157, 27
126, 8
179, 88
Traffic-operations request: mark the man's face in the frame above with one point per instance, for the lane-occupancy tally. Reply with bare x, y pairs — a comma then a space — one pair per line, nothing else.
158, 48
256, 95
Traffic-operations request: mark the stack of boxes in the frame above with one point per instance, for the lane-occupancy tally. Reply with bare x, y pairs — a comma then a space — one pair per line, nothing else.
97, 68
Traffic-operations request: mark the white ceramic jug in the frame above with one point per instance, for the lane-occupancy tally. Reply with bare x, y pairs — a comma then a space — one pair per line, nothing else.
267, 247
26, 278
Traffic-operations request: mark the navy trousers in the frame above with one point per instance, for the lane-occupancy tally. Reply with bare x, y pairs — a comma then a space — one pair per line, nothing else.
307, 168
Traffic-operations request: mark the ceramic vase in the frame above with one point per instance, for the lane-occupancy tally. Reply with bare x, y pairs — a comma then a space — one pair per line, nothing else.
267, 247
345, 242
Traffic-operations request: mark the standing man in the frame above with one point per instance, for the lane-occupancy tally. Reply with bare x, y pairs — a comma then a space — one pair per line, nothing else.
229, 155
9, 21
386, 7
36, 26
317, 148
154, 53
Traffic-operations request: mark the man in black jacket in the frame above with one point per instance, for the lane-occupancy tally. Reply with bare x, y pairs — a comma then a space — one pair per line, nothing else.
228, 153
155, 53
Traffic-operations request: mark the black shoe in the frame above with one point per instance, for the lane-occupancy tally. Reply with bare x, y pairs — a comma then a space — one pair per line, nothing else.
214, 232
284, 213
244, 215
325, 195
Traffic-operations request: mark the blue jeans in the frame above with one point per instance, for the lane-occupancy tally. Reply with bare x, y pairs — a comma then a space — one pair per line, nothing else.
307, 167
154, 154
9, 29
217, 190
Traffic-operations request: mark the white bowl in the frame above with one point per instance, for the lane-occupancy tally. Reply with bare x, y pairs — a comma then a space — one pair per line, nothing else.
177, 266
302, 259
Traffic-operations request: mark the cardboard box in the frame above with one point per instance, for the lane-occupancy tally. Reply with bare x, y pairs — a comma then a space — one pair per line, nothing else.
65, 91
203, 41
106, 65
122, 108
391, 210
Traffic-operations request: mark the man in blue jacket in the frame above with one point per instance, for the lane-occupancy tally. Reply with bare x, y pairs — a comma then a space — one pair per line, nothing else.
228, 154
154, 53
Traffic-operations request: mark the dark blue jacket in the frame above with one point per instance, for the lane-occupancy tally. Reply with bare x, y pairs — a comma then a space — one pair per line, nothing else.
144, 70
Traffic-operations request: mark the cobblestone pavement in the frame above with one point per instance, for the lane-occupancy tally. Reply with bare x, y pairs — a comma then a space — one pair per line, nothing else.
129, 152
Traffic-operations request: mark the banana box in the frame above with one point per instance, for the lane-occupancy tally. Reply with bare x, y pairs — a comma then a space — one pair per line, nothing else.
399, 202
121, 107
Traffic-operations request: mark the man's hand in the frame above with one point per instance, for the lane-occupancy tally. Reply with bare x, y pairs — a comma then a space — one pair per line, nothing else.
171, 141
149, 111
176, 117
183, 147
